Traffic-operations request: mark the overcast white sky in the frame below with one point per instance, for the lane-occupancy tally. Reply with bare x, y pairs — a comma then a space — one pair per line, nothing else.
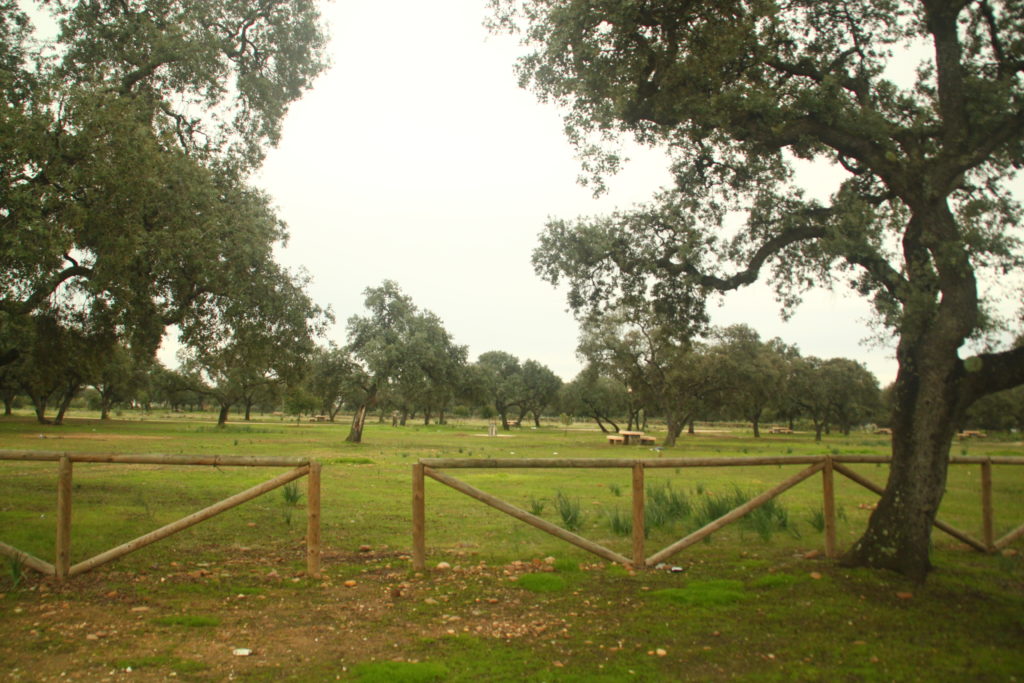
417, 158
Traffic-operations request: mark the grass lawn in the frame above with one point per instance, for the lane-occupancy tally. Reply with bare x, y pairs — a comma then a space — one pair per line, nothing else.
229, 597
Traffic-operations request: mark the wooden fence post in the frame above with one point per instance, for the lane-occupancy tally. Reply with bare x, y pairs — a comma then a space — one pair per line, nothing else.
829, 507
419, 546
313, 520
62, 564
987, 523
639, 561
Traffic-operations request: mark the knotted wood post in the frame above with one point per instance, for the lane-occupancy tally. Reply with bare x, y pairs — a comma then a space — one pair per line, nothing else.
62, 564
829, 507
313, 520
987, 522
419, 545
638, 516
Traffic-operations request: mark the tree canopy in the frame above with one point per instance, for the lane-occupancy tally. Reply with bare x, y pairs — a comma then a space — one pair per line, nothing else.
739, 93
127, 139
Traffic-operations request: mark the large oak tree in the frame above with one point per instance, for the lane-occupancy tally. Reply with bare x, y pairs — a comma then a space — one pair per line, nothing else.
126, 141
737, 91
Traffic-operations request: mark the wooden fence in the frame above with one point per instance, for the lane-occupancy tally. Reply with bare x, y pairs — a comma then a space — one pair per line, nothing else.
62, 567
827, 465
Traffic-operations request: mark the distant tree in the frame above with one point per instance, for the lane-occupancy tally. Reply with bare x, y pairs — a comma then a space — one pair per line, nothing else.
811, 384
58, 357
855, 393
263, 338
540, 389
1001, 411
328, 379
402, 351
753, 370
668, 374
502, 379
597, 397
119, 376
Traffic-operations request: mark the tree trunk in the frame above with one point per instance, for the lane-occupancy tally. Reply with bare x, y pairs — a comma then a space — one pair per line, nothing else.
355, 434
105, 404
756, 420
8, 406
928, 402
222, 417
65, 402
690, 429
248, 410
675, 427
39, 404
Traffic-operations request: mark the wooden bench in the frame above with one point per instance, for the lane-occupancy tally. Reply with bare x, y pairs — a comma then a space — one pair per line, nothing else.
616, 439
780, 430
647, 440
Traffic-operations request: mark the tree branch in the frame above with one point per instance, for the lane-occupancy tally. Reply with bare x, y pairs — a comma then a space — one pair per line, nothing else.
30, 304
991, 372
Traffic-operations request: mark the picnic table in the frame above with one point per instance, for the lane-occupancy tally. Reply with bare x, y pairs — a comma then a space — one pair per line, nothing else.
629, 438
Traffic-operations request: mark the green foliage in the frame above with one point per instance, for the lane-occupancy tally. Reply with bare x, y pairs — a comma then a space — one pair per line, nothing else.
291, 493
128, 201
621, 523
537, 506
569, 510
768, 518
675, 505
16, 570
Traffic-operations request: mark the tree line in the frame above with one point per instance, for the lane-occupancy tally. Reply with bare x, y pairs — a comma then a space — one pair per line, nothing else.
400, 363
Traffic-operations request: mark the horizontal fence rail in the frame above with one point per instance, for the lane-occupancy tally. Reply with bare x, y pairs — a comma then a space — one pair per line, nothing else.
62, 568
827, 465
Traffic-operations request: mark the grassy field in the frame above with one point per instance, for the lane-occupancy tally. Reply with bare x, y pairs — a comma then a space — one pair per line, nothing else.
758, 601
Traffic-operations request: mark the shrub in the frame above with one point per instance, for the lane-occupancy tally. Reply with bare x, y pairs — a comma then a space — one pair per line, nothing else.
570, 511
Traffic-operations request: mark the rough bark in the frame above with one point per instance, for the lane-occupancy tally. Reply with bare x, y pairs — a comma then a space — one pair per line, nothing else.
222, 416
928, 399
355, 434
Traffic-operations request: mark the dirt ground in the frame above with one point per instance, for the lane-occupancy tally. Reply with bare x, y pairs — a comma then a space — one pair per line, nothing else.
193, 621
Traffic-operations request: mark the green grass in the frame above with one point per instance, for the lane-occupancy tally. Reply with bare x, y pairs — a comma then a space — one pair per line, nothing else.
749, 594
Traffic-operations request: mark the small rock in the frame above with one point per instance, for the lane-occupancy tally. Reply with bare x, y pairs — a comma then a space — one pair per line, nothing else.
365, 548
351, 583
430, 601
443, 566
661, 652
241, 652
